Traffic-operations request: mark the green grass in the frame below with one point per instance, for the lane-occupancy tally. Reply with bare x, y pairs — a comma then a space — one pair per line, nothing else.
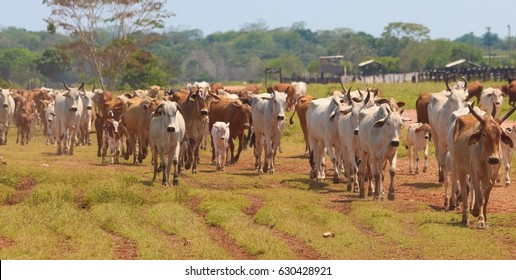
73, 207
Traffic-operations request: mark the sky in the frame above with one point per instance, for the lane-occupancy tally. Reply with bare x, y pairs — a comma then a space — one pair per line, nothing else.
445, 19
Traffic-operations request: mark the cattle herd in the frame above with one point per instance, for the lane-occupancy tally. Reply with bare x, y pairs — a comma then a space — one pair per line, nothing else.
358, 130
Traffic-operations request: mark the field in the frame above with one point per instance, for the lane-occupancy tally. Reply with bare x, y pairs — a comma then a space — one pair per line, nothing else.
74, 207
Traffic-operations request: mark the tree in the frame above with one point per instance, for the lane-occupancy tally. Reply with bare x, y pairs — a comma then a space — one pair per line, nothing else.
53, 64
18, 65
142, 70
129, 23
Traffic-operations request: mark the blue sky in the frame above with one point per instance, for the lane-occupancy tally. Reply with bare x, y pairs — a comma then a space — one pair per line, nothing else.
445, 19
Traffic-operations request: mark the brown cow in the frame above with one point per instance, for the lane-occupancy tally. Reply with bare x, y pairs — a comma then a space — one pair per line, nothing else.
510, 91
238, 116
195, 107
475, 151
291, 93
474, 89
249, 90
137, 114
215, 88
422, 107
301, 107
23, 116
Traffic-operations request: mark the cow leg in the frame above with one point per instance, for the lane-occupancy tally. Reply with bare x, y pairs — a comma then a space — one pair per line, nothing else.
258, 146
175, 180
409, 154
362, 171
392, 174
487, 193
462, 177
231, 146
426, 158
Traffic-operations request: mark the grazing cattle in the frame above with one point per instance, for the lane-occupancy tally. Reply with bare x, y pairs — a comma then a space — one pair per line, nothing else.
418, 136
219, 137
510, 91
475, 151
475, 89
136, 118
301, 107
508, 153
268, 117
6, 113
378, 133
440, 108
166, 133
111, 139
290, 91
86, 118
50, 120
491, 100
23, 116
322, 121
422, 107
68, 110
195, 107
238, 115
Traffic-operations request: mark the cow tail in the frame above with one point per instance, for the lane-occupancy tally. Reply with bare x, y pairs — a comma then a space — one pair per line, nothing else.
291, 121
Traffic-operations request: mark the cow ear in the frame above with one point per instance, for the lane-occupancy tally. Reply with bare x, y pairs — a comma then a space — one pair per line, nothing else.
332, 116
474, 138
177, 106
270, 90
506, 139
379, 123
145, 106
227, 124
400, 104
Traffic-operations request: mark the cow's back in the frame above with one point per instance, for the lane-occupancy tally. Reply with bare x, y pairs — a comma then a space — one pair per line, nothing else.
422, 107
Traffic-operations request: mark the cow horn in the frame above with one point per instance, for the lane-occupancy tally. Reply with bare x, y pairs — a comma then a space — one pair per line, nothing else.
465, 83
367, 97
506, 115
10, 84
447, 81
350, 100
93, 88
475, 114
342, 85
81, 88
493, 113
66, 87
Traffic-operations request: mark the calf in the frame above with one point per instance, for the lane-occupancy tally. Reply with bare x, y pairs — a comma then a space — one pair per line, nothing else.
111, 139
166, 133
50, 120
491, 100
508, 153
418, 136
220, 136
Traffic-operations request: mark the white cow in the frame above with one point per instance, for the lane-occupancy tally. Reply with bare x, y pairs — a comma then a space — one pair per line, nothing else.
86, 118
268, 120
508, 153
220, 137
348, 125
440, 108
322, 117
379, 136
68, 109
300, 89
491, 99
166, 133
418, 136
6, 113
50, 119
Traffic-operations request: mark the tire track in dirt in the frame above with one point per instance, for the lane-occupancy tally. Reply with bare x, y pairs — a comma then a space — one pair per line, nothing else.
302, 251
23, 190
219, 235
125, 248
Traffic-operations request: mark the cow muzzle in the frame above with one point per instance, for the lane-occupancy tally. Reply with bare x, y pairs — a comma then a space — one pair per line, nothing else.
171, 129
246, 125
88, 108
280, 118
395, 143
355, 131
494, 160
204, 112
73, 109
5, 106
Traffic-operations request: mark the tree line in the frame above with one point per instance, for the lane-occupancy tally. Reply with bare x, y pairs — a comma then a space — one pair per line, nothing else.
174, 56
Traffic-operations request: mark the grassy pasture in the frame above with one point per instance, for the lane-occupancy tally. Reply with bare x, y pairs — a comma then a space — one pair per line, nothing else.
73, 207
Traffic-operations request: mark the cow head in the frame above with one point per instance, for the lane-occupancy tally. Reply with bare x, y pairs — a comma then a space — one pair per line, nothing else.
491, 100
168, 110
489, 134
4, 97
242, 113
220, 131
73, 98
424, 129
277, 101
391, 125
202, 99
